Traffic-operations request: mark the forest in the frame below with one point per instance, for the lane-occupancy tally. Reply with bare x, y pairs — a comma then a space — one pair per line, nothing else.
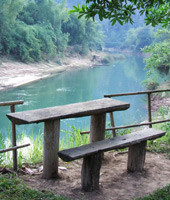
42, 29
35, 30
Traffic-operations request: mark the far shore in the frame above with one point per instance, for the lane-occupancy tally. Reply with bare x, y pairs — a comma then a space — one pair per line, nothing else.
14, 74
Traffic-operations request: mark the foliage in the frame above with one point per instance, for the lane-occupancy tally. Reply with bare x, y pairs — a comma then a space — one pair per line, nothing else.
160, 56
83, 34
161, 145
73, 138
9, 11
39, 29
121, 11
158, 61
12, 188
34, 153
138, 38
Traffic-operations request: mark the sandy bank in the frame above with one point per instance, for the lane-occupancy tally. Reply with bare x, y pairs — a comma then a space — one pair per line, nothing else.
14, 74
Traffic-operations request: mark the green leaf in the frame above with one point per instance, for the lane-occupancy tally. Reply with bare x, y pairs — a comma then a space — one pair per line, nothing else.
72, 11
120, 22
113, 21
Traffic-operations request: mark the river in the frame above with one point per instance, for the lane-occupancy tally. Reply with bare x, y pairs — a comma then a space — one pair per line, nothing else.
78, 86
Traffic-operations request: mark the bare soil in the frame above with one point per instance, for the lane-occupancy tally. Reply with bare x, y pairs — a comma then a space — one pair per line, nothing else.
14, 74
158, 102
115, 182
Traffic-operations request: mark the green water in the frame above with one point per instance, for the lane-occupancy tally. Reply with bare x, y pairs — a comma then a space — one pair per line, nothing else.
78, 86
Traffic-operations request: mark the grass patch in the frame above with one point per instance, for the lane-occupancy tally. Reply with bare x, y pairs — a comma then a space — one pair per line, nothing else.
12, 188
160, 194
34, 153
161, 145
73, 138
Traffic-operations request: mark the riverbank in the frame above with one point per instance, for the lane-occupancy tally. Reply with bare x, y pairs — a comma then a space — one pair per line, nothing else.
14, 73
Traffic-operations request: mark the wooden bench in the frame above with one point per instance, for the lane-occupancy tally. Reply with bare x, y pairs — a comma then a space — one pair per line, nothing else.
92, 154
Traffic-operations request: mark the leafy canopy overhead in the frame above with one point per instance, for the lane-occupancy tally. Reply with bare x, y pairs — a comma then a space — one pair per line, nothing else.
155, 11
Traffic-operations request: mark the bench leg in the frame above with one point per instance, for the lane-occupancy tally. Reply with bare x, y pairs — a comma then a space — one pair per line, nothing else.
90, 173
136, 157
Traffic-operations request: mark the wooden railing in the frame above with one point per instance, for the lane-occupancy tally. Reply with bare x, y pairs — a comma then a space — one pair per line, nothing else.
14, 147
150, 122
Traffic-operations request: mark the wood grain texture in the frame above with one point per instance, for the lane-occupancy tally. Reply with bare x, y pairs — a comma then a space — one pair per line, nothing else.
110, 144
112, 124
51, 148
14, 140
90, 173
97, 127
12, 148
136, 157
68, 111
10, 103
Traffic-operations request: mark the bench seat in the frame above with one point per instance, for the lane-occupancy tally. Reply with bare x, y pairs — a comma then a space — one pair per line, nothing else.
92, 154
118, 142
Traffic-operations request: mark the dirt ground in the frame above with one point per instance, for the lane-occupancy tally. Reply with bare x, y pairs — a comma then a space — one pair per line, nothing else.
14, 74
157, 102
115, 182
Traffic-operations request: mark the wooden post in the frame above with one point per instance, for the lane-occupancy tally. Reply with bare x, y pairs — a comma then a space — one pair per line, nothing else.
14, 143
136, 157
51, 148
149, 109
97, 127
112, 124
90, 172
14, 148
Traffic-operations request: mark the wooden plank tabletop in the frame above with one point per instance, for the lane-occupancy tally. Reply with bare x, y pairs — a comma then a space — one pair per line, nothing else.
118, 142
68, 111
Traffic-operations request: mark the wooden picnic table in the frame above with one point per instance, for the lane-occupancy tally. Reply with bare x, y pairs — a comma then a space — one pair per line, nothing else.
51, 117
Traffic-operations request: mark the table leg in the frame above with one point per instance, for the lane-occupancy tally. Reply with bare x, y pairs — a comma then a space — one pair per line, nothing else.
97, 127
51, 148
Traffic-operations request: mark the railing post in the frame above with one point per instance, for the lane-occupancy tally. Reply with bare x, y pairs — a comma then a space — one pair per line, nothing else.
149, 109
12, 108
112, 124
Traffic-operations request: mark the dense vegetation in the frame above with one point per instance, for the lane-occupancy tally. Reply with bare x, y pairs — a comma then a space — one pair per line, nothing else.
158, 62
32, 30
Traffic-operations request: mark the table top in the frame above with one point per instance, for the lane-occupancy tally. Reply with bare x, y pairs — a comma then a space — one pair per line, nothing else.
82, 109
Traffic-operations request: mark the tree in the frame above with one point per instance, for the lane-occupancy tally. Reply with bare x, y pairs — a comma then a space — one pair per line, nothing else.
83, 35
9, 11
155, 11
138, 38
158, 62
159, 58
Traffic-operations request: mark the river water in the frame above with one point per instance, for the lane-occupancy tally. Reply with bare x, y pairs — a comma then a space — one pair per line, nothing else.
78, 86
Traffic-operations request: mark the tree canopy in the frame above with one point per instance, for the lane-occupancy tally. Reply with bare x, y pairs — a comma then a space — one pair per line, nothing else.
155, 11
32, 30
